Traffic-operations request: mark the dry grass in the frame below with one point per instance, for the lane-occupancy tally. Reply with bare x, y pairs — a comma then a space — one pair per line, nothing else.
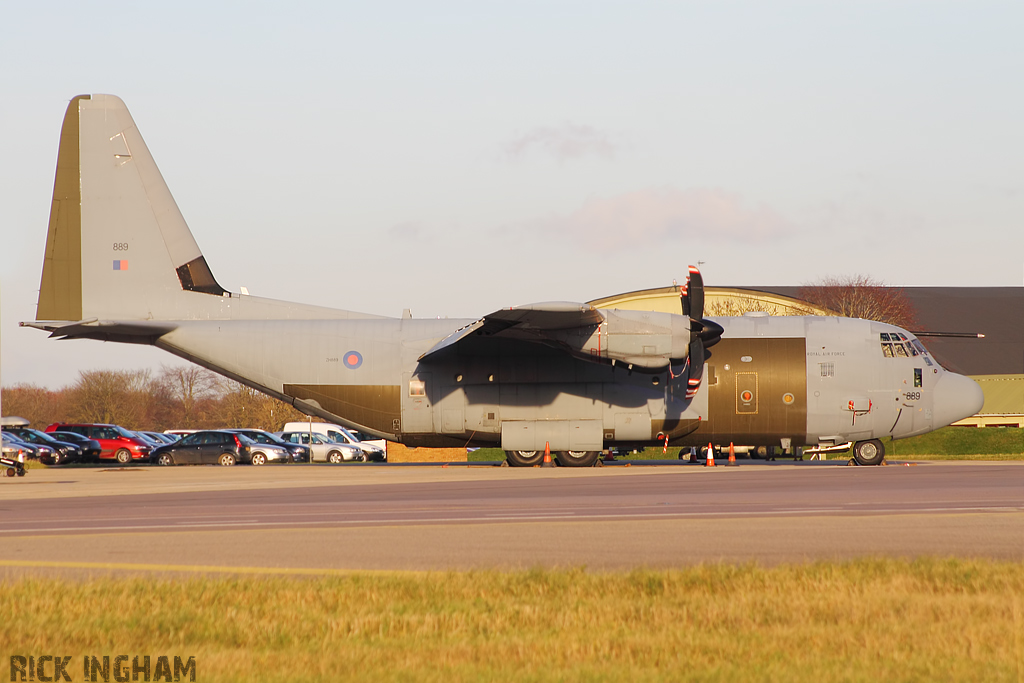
869, 620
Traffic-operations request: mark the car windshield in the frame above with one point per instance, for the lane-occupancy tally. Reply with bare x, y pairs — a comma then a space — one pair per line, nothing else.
121, 431
245, 440
70, 436
43, 436
342, 435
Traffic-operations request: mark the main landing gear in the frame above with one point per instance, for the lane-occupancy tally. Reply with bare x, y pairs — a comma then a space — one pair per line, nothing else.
565, 458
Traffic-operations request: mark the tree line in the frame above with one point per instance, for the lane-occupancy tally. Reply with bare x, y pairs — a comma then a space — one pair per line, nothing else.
175, 397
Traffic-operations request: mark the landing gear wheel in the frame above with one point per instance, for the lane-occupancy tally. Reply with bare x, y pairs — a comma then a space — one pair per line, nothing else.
259, 459
869, 452
335, 457
524, 458
226, 460
578, 458
123, 456
165, 459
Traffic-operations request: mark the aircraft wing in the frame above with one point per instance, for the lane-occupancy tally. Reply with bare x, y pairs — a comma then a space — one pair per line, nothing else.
531, 322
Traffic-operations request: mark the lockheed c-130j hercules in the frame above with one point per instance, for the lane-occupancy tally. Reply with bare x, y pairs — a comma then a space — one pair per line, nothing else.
122, 265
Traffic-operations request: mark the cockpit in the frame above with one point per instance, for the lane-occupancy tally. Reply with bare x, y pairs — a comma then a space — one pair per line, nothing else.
899, 345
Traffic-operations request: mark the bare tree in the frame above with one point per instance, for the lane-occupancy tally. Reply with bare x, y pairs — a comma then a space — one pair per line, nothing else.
241, 406
861, 296
187, 387
122, 397
39, 405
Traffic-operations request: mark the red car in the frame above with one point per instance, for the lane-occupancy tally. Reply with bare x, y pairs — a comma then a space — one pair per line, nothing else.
116, 443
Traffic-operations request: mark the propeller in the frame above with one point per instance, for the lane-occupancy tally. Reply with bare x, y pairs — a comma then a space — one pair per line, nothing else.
703, 332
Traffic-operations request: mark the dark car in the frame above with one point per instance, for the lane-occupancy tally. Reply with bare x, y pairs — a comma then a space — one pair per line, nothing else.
91, 448
63, 451
32, 451
296, 452
213, 447
117, 443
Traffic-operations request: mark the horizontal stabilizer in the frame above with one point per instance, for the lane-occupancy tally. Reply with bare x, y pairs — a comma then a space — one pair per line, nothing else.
133, 331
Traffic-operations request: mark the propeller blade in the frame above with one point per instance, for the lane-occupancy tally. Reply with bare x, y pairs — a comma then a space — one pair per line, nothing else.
684, 297
696, 368
695, 287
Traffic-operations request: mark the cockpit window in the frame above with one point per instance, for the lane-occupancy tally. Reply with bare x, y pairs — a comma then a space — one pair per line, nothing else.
899, 345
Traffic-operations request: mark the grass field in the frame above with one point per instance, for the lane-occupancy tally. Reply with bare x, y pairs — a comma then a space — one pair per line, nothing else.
870, 620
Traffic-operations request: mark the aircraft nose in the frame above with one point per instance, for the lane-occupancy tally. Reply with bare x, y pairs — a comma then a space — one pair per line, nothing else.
956, 397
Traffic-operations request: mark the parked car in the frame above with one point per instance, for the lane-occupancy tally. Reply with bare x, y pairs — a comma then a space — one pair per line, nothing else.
13, 448
322, 449
116, 443
213, 447
91, 448
160, 437
31, 451
338, 434
293, 451
63, 451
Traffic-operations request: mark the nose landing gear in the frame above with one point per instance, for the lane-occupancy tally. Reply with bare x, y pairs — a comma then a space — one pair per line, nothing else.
869, 452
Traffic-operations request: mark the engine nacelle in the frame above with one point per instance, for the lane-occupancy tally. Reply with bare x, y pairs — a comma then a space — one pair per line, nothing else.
642, 339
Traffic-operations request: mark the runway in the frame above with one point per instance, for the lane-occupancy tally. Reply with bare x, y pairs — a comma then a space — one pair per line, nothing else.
318, 519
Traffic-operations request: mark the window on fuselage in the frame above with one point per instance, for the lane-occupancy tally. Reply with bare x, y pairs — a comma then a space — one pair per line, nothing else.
887, 351
901, 351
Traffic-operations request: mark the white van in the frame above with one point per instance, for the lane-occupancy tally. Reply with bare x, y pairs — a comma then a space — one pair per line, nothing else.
375, 449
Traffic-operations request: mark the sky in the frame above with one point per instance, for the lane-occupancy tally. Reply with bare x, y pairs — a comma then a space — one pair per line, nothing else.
454, 158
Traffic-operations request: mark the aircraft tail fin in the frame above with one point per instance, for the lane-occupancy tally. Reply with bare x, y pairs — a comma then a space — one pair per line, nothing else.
117, 246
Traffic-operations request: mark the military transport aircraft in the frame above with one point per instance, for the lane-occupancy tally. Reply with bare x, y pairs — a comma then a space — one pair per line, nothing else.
121, 265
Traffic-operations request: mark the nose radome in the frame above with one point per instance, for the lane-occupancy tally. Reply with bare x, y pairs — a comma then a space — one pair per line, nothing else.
956, 397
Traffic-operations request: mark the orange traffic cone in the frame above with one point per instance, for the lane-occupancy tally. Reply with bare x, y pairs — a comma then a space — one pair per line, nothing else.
547, 455
732, 456
710, 462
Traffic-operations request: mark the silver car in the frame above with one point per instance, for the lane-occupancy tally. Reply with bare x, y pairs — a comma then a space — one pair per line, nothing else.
324, 450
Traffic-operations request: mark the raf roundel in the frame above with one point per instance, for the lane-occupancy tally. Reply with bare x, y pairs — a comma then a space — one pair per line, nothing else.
353, 359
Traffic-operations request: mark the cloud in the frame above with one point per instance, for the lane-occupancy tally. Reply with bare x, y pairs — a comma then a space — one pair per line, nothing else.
566, 142
655, 216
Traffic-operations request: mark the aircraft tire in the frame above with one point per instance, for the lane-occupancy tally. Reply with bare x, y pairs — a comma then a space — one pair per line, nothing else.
123, 456
226, 460
524, 458
869, 452
578, 458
